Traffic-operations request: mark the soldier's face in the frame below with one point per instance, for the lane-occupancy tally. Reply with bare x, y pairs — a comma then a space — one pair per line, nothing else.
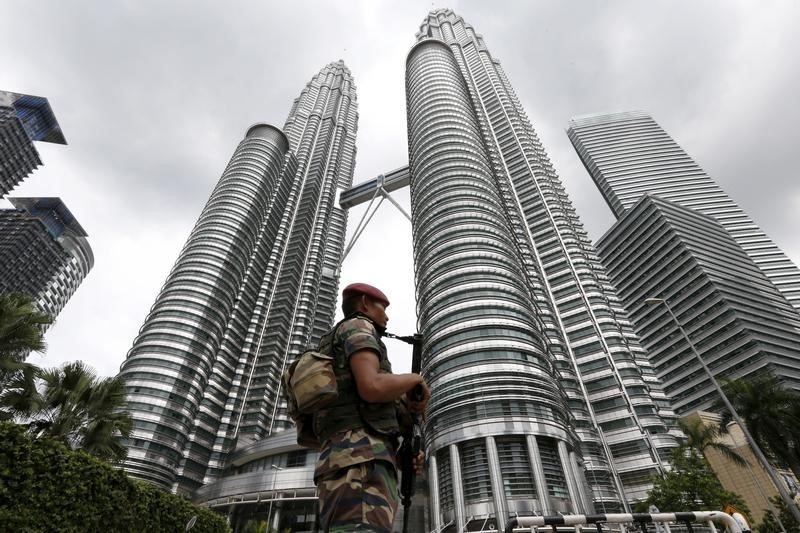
376, 311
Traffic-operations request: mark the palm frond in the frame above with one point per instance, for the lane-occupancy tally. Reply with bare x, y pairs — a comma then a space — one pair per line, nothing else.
770, 412
21, 326
20, 398
701, 437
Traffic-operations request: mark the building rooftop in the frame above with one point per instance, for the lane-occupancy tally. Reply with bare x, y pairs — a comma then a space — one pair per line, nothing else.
591, 119
52, 211
36, 116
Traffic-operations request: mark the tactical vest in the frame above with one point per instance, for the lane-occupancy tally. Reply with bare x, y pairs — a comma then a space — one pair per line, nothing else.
348, 410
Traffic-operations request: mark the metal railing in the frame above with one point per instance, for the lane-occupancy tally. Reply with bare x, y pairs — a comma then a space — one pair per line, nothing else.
578, 520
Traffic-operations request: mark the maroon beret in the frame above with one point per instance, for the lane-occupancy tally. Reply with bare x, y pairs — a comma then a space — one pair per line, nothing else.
354, 289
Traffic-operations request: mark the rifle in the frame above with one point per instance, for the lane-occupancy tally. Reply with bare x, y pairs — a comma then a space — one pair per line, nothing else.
412, 437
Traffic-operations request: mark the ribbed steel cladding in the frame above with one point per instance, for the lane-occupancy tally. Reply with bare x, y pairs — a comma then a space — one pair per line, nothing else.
79, 261
221, 403
241, 341
19, 156
314, 309
469, 281
562, 247
28, 253
170, 364
743, 320
628, 154
322, 118
545, 195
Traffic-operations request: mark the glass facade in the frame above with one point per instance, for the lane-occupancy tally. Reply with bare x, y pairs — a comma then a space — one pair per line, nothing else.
24, 118
268, 486
254, 285
526, 341
736, 318
628, 155
43, 252
18, 156
36, 116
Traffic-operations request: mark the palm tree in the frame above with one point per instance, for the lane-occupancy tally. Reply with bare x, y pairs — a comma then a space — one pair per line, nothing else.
69, 403
691, 482
21, 327
20, 399
771, 414
701, 437
107, 424
83, 410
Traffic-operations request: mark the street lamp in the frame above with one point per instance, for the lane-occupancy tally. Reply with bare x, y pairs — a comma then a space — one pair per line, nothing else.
272, 496
750, 440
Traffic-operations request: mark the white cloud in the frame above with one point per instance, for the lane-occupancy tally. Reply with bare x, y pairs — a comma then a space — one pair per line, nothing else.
154, 96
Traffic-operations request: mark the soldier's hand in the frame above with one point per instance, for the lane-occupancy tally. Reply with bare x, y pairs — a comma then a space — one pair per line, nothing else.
419, 407
419, 463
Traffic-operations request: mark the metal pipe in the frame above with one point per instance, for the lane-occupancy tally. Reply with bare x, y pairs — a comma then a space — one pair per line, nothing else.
360, 228
272, 498
623, 518
750, 440
388, 196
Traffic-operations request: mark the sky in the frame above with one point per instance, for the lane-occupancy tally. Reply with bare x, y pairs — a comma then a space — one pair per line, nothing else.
153, 97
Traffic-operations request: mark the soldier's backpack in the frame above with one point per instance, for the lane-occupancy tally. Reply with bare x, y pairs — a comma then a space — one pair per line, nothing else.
309, 384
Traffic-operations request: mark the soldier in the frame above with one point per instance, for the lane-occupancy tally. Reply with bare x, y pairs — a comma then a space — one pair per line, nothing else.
357, 473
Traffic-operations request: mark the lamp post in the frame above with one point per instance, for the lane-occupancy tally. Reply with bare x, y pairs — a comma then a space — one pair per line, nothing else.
272, 496
750, 440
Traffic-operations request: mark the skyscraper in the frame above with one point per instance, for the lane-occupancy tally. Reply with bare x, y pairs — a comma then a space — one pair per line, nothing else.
43, 252
535, 370
628, 155
24, 118
254, 285
736, 318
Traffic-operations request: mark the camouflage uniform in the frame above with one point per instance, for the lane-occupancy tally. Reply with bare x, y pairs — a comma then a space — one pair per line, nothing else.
356, 472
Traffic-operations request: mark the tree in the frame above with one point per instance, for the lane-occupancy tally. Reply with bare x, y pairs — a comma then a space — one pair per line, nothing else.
701, 437
45, 486
20, 398
769, 525
82, 410
690, 485
21, 327
771, 414
70, 403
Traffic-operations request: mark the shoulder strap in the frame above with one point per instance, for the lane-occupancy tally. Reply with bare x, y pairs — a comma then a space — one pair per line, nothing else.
326, 342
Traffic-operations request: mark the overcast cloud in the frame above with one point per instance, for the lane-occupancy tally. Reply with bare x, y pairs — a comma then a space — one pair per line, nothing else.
154, 96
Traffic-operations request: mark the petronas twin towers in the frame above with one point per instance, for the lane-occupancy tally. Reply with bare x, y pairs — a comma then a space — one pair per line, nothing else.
543, 399
255, 283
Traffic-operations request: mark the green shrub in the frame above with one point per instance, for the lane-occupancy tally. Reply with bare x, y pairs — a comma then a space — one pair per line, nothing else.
45, 486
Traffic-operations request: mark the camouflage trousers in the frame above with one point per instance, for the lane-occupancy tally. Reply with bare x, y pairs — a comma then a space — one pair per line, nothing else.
361, 497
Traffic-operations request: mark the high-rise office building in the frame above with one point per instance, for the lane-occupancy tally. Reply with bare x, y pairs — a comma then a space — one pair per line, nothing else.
628, 155
24, 118
735, 317
254, 285
543, 399
43, 252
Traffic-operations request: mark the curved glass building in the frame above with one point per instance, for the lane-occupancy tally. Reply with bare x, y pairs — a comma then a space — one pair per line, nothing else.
267, 486
543, 399
253, 286
45, 252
